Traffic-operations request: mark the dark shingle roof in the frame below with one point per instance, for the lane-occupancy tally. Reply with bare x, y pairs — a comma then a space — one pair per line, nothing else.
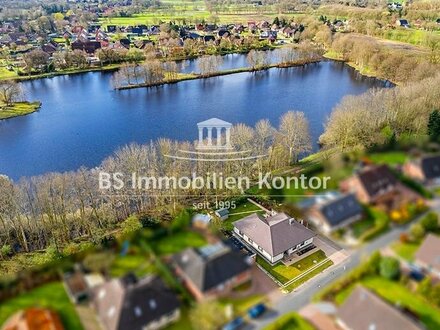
127, 304
363, 310
211, 265
274, 234
431, 167
341, 209
377, 179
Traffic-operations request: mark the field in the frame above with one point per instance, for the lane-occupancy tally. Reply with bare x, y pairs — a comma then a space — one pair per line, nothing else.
290, 321
52, 296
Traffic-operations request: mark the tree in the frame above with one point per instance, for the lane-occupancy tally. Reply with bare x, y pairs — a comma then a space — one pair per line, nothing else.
99, 262
131, 225
10, 91
389, 268
294, 134
417, 231
36, 60
257, 59
5, 251
434, 126
207, 315
430, 222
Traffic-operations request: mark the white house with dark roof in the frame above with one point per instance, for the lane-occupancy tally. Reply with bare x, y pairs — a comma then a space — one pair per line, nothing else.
424, 169
274, 237
129, 303
212, 270
334, 211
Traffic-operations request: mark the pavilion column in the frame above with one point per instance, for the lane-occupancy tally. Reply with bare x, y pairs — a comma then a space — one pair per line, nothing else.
219, 136
209, 136
228, 137
200, 136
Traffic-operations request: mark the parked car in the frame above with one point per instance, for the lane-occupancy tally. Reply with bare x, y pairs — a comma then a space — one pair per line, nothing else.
256, 311
234, 324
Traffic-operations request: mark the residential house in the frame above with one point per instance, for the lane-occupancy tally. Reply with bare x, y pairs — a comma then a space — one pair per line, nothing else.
79, 286
34, 319
333, 212
222, 213
363, 310
424, 169
213, 270
403, 23
89, 46
274, 237
135, 304
428, 255
378, 185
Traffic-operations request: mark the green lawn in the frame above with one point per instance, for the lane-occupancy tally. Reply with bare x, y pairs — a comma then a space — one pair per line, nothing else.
290, 321
375, 223
406, 250
177, 242
390, 158
18, 109
137, 264
52, 296
242, 210
285, 273
241, 305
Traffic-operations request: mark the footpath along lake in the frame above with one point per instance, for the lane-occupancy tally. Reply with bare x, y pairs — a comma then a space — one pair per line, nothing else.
82, 120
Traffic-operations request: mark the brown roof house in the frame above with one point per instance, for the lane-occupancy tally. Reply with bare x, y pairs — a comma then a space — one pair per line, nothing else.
34, 319
424, 169
129, 303
212, 270
334, 211
378, 185
428, 255
274, 237
363, 310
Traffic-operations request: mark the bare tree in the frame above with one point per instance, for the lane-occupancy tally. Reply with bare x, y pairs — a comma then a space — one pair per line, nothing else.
294, 134
10, 91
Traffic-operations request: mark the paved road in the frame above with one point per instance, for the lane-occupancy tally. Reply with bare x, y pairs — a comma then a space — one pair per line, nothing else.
302, 296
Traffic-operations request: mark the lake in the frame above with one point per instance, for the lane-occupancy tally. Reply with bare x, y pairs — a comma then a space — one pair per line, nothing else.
83, 120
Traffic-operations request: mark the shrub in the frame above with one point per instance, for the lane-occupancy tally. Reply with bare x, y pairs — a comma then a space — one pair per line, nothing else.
389, 268
430, 222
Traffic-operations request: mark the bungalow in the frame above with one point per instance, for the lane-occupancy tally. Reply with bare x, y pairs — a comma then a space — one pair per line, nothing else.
330, 213
213, 270
424, 169
274, 237
222, 213
34, 319
363, 310
402, 22
129, 303
378, 185
428, 255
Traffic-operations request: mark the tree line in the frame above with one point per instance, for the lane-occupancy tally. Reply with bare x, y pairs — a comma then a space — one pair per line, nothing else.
60, 211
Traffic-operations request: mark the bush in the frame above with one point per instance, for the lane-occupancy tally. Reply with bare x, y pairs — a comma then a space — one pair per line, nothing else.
430, 222
417, 231
389, 268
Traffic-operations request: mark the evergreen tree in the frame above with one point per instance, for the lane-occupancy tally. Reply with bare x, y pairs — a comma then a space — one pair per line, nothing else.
434, 126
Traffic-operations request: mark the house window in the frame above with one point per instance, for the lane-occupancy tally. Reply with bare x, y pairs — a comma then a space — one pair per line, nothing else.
260, 248
240, 232
250, 241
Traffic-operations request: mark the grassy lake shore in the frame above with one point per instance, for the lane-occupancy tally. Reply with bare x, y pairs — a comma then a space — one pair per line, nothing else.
18, 109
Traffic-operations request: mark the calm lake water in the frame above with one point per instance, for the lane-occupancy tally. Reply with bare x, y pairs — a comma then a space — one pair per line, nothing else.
83, 120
